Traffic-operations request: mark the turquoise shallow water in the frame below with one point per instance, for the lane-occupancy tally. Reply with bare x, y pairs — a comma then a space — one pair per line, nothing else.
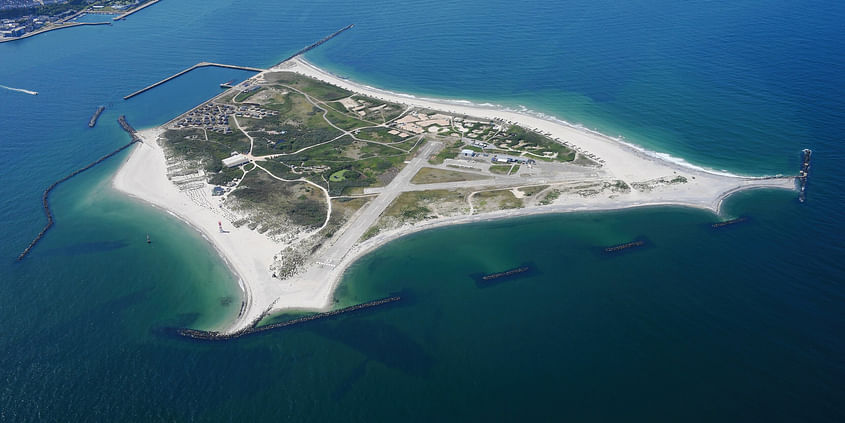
740, 324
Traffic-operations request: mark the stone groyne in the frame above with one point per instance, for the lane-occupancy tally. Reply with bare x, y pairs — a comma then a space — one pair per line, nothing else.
218, 336
623, 247
45, 197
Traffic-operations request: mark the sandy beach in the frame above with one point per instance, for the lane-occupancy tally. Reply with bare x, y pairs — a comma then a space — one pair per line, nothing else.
249, 254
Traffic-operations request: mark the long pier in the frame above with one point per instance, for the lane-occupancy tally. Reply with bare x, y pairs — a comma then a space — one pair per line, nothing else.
137, 9
217, 336
198, 65
46, 196
317, 44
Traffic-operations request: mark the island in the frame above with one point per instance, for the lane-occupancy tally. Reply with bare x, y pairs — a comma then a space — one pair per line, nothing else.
295, 173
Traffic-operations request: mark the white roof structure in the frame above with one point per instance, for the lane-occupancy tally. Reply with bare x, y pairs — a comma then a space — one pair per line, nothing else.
235, 160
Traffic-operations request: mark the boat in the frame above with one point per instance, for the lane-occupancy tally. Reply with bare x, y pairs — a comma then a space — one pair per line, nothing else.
148, 239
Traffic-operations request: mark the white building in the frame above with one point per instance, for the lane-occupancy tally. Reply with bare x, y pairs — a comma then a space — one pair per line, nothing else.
235, 160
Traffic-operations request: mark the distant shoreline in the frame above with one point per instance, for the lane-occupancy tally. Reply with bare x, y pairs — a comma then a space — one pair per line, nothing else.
63, 23
54, 28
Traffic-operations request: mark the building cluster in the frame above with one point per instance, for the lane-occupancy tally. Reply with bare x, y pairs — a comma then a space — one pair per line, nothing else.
117, 6
10, 28
497, 158
26, 4
215, 116
474, 128
417, 123
363, 107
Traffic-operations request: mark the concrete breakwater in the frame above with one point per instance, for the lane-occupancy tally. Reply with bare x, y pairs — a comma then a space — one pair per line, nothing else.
217, 336
198, 65
53, 28
95, 116
45, 197
221, 65
137, 9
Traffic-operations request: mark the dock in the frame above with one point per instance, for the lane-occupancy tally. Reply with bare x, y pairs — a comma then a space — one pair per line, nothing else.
45, 197
93, 120
253, 329
198, 65
804, 173
137, 9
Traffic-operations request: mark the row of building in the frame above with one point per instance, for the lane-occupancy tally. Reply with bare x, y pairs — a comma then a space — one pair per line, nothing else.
215, 116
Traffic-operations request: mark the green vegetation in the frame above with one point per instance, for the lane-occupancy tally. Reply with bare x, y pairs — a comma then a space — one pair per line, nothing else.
496, 200
539, 146
225, 176
379, 134
529, 191
416, 205
385, 114
365, 164
371, 232
504, 169
190, 144
550, 197
345, 121
242, 96
342, 210
338, 176
429, 175
654, 183
448, 152
313, 88
583, 160
620, 186
298, 202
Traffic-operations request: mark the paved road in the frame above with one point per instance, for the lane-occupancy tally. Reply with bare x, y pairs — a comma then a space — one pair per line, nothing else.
368, 215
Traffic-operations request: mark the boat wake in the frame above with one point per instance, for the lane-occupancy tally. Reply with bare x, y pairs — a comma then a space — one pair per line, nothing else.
19, 90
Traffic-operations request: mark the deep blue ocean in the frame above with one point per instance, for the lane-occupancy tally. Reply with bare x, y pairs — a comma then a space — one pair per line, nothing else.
742, 324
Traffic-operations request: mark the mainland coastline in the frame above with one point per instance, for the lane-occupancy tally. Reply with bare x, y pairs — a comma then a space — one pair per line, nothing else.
248, 253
